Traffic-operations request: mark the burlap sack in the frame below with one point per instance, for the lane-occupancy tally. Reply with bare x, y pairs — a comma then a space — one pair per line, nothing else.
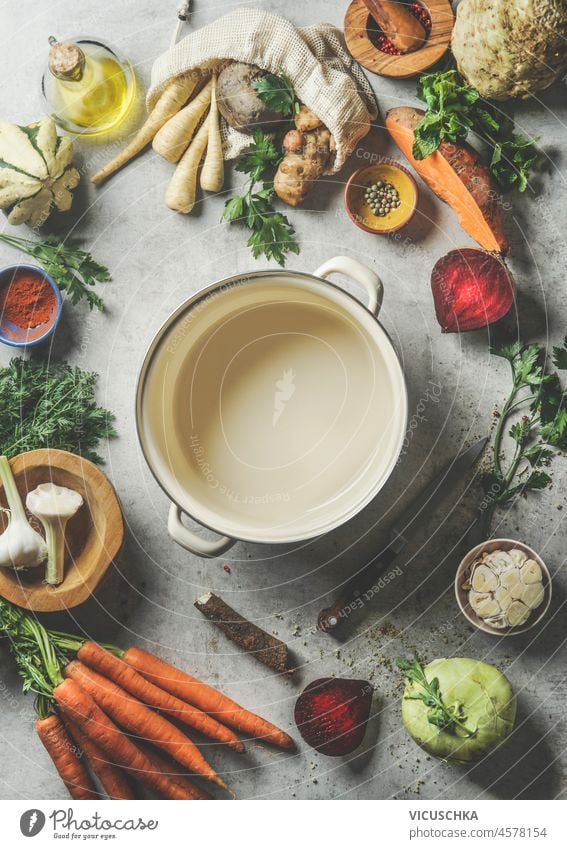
324, 75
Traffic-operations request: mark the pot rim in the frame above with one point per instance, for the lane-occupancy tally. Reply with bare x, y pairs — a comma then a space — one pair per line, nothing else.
190, 303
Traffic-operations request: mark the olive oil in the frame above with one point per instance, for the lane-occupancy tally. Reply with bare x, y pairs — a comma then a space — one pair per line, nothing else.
90, 89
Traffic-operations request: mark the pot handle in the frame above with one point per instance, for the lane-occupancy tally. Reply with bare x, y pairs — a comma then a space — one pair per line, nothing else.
360, 274
193, 543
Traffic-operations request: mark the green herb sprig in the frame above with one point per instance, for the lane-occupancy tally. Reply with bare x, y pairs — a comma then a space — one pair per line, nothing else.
272, 235
35, 655
40, 653
74, 270
51, 406
455, 109
278, 94
446, 717
535, 417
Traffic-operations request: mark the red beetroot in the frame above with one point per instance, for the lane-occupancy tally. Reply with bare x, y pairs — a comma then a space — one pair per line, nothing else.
331, 714
471, 289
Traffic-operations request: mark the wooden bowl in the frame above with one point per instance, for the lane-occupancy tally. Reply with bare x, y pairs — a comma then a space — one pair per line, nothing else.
359, 43
463, 573
93, 536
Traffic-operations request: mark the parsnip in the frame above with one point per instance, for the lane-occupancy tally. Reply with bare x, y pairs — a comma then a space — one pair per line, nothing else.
182, 188
170, 101
175, 136
212, 173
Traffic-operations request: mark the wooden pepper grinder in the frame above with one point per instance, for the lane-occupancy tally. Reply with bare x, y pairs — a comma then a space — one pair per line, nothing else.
398, 24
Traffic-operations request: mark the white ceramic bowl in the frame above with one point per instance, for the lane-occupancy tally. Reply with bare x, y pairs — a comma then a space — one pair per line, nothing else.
271, 407
463, 573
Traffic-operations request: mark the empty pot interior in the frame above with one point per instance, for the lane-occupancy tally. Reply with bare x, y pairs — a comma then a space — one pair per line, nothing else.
271, 412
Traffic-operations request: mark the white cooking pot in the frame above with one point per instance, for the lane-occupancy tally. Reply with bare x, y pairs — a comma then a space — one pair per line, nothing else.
272, 407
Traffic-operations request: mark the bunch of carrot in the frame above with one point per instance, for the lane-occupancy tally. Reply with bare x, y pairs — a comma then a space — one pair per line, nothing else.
113, 709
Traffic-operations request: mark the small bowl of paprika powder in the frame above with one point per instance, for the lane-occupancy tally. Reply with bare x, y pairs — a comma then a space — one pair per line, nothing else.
30, 305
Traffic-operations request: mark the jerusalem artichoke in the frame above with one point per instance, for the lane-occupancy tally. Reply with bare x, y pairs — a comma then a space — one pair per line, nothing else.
308, 149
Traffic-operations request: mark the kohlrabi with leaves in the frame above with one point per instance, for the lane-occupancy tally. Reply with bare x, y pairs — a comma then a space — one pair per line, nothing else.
457, 708
21, 546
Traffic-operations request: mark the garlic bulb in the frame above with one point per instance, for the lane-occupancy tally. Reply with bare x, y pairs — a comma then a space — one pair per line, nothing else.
505, 587
21, 547
54, 506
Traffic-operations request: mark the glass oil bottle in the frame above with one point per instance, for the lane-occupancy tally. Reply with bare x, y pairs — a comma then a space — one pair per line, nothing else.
88, 86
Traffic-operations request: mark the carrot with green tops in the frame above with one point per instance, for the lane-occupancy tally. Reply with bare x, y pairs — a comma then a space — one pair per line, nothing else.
112, 778
206, 698
102, 661
79, 706
138, 719
62, 752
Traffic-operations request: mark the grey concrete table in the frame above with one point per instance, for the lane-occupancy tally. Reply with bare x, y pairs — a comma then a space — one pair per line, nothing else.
159, 258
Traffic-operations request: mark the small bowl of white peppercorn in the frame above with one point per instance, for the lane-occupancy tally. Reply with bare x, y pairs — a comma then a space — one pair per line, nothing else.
381, 198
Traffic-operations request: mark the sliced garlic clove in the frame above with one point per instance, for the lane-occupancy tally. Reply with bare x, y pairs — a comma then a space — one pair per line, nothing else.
500, 621
476, 598
499, 561
503, 598
483, 579
488, 607
518, 613
530, 572
511, 581
518, 556
533, 595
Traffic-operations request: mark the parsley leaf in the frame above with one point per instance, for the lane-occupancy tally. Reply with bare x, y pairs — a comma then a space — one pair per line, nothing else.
74, 270
272, 234
560, 356
278, 94
538, 393
455, 109
261, 156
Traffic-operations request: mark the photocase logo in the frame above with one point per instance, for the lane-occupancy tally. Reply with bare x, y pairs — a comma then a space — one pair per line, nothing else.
31, 822
285, 387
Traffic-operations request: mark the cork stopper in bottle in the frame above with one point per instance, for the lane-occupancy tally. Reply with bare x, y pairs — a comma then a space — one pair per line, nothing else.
66, 61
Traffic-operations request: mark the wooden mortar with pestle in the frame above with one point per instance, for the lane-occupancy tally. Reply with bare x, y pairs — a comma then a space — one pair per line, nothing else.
407, 37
